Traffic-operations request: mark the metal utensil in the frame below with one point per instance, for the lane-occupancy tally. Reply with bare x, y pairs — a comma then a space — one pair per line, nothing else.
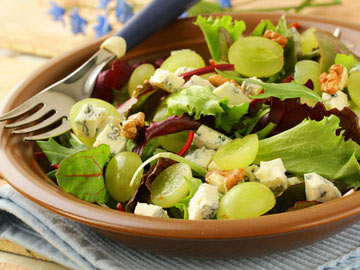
53, 103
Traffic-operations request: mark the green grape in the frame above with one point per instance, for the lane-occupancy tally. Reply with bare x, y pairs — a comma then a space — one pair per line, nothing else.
256, 56
173, 142
75, 109
246, 200
308, 40
237, 154
183, 58
170, 186
353, 85
308, 70
119, 172
354, 108
139, 75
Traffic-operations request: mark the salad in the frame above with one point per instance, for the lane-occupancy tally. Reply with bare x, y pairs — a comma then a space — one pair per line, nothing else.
269, 124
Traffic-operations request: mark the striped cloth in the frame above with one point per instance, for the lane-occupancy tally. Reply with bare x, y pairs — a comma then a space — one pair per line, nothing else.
77, 247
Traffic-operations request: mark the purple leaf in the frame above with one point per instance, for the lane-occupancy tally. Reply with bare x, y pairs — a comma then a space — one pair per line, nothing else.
170, 125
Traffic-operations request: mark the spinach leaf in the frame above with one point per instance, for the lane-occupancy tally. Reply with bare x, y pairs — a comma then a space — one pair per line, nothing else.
55, 152
81, 174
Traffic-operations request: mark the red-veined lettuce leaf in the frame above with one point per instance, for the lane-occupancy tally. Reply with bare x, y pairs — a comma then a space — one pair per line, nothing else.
81, 174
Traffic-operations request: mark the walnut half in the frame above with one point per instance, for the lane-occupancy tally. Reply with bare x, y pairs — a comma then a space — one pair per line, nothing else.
217, 80
130, 126
335, 80
224, 180
275, 36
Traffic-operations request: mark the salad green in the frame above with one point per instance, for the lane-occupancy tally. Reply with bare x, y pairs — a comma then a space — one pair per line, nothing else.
269, 124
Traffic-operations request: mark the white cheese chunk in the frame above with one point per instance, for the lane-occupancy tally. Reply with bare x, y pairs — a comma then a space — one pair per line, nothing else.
111, 136
166, 80
294, 180
317, 188
201, 156
218, 180
251, 89
204, 203
150, 210
249, 173
272, 174
182, 70
197, 80
338, 100
88, 120
110, 120
235, 95
209, 138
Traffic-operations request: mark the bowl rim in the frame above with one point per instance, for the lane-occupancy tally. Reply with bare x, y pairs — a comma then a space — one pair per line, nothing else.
128, 223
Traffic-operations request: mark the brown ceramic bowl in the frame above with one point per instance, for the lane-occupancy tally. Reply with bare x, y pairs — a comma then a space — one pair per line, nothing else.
216, 238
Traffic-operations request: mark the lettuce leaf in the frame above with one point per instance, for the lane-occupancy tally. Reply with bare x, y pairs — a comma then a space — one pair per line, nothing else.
278, 90
314, 146
55, 152
198, 101
262, 27
329, 46
183, 205
81, 174
210, 28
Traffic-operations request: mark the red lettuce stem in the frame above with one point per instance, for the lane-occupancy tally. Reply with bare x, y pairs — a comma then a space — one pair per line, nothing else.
187, 145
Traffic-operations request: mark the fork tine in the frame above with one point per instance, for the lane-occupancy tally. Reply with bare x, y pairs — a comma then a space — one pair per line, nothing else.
19, 110
64, 127
36, 116
47, 122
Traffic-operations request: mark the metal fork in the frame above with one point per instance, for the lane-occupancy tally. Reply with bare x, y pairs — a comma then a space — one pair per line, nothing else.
56, 100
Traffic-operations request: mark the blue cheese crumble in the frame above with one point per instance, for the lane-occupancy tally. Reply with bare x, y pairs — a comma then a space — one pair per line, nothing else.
89, 120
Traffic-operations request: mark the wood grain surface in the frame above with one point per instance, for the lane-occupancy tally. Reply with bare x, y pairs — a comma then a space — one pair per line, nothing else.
26, 28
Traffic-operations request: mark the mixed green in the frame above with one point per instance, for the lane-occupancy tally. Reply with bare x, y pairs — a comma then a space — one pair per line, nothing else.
269, 125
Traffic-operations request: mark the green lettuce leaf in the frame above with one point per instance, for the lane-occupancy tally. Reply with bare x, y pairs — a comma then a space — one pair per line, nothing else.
281, 27
210, 28
196, 101
183, 205
347, 61
284, 90
329, 46
262, 27
81, 174
200, 101
55, 152
279, 90
313, 146
231, 115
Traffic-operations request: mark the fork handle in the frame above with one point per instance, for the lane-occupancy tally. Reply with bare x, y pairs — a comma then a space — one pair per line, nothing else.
155, 16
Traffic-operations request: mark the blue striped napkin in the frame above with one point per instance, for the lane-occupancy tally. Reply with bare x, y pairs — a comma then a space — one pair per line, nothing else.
77, 247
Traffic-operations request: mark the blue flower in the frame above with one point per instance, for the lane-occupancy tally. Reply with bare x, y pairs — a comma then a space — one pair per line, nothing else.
224, 3
103, 27
123, 11
103, 4
77, 23
57, 12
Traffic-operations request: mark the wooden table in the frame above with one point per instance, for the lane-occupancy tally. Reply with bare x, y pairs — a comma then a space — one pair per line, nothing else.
28, 38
